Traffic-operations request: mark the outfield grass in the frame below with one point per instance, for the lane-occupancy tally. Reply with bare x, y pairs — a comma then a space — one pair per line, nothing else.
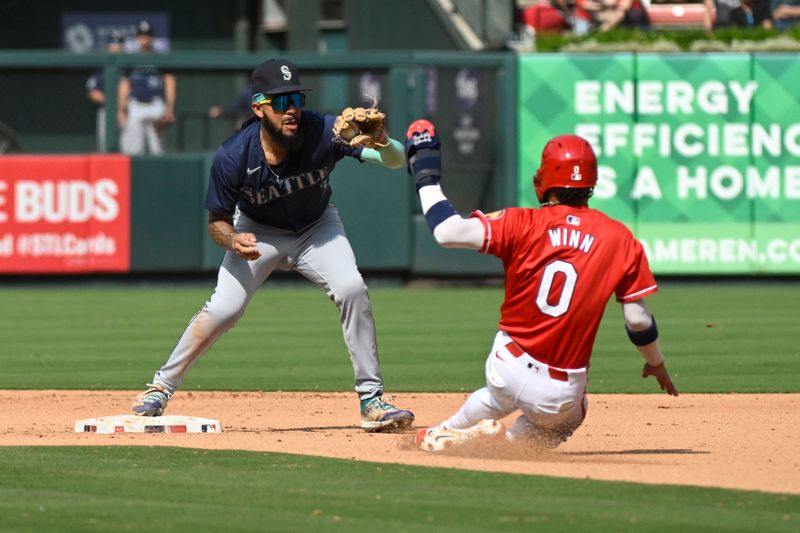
717, 338
173, 489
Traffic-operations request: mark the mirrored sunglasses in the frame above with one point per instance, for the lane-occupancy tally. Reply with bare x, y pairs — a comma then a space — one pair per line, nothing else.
281, 102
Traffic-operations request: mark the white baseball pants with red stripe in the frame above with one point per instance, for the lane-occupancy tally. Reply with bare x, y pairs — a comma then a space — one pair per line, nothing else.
553, 401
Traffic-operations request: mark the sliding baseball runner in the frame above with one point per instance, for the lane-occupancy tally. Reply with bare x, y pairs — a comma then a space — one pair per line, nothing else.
562, 262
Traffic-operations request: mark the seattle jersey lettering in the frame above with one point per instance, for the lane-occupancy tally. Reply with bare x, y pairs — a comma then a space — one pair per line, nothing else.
284, 187
570, 237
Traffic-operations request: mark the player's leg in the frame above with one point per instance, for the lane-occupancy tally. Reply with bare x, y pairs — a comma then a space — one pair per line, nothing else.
237, 281
549, 430
498, 398
131, 139
552, 407
476, 419
478, 416
480, 405
101, 130
152, 136
439, 438
325, 257
155, 142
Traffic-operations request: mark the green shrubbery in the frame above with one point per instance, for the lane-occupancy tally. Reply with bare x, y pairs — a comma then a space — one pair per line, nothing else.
695, 40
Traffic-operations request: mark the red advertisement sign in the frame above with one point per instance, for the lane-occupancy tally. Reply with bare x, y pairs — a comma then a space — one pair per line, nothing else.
64, 214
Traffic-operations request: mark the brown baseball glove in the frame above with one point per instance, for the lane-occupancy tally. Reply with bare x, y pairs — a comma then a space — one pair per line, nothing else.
360, 126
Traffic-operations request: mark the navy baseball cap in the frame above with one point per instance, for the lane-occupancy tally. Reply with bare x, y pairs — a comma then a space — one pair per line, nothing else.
276, 76
144, 28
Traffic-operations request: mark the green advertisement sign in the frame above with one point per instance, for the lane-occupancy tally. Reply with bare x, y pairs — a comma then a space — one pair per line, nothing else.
697, 152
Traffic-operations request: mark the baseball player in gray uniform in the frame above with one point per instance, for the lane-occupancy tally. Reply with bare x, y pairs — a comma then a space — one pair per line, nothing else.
146, 102
268, 205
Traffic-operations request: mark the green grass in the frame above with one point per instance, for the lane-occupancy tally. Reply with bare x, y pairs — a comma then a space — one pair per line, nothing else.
169, 489
429, 339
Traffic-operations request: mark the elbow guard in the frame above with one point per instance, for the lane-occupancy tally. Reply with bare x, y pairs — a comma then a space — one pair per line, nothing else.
645, 336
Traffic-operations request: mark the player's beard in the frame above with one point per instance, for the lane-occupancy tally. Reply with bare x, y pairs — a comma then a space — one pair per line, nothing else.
290, 142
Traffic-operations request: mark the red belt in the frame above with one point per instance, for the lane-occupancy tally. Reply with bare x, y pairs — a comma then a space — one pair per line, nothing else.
516, 350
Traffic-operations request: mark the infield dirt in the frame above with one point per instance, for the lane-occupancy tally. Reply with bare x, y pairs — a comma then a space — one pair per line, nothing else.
737, 441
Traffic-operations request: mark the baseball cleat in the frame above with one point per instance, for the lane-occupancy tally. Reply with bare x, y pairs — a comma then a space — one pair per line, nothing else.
439, 438
151, 402
378, 415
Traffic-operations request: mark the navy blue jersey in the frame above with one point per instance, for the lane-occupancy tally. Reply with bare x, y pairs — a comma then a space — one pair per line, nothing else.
297, 196
147, 82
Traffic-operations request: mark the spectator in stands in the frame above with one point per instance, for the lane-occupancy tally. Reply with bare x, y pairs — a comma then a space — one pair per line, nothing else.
96, 93
718, 13
586, 16
626, 14
739, 13
785, 13
545, 16
754, 14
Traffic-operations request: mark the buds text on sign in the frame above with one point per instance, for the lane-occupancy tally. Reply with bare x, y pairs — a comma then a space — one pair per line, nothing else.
64, 214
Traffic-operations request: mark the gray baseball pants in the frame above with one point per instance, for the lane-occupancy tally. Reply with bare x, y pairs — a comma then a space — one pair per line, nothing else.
323, 255
139, 131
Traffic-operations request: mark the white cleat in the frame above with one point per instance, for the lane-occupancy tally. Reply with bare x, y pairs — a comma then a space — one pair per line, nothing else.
439, 438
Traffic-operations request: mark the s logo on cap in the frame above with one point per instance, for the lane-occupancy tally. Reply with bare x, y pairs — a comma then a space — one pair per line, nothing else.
287, 74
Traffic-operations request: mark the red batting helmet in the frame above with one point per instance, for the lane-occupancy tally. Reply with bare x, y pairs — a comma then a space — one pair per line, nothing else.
568, 161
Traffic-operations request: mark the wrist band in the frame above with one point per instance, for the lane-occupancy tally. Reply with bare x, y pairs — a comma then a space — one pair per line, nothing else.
430, 179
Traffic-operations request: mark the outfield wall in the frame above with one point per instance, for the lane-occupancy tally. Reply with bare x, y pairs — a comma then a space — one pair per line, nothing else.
463, 93
697, 157
111, 213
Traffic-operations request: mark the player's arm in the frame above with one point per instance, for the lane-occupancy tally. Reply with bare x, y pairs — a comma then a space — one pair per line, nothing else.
785, 11
93, 91
709, 15
223, 233
96, 96
616, 16
169, 96
643, 333
391, 156
449, 228
123, 91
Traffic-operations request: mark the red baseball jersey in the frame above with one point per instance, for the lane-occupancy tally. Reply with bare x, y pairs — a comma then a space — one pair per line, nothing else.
562, 265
